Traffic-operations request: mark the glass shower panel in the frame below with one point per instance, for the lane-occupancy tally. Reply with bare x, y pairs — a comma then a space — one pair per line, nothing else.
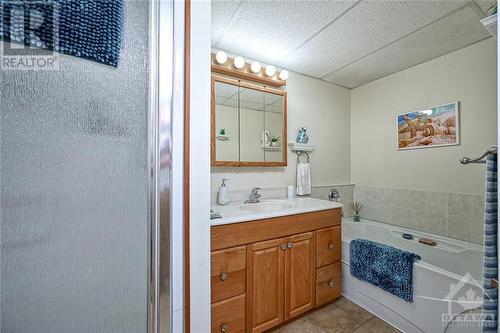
74, 200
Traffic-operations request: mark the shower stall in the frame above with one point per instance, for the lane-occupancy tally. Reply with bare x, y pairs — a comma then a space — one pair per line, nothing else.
88, 171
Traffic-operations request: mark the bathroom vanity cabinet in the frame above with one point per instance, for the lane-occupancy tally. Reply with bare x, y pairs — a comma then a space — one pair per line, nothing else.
266, 272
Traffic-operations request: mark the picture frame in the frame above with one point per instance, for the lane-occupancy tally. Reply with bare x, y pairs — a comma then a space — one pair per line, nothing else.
437, 126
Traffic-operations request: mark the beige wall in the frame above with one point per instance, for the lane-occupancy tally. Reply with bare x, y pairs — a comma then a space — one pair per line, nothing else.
468, 76
324, 109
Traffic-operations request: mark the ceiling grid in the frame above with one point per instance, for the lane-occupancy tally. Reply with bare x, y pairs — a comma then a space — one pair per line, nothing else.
346, 42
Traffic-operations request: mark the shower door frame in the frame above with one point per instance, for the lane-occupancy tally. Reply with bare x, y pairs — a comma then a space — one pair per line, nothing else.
166, 27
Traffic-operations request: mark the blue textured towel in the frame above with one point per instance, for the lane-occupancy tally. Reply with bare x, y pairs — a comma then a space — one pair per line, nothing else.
383, 266
490, 262
89, 29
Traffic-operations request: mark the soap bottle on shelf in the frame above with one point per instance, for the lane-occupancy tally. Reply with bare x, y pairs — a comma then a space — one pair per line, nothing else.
223, 198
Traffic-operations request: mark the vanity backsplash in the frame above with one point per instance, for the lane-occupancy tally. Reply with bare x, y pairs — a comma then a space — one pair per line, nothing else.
242, 195
318, 192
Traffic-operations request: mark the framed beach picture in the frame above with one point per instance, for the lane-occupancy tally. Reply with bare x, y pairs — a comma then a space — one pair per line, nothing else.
434, 127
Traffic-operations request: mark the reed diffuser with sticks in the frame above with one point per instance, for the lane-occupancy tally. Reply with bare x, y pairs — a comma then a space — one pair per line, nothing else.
357, 208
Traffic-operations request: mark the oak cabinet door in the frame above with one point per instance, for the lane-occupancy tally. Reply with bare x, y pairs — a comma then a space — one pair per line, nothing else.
299, 275
265, 284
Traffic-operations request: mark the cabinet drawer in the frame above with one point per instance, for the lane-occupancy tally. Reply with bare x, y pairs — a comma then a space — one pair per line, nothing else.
228, 316
328, 245
328, 283
228, 273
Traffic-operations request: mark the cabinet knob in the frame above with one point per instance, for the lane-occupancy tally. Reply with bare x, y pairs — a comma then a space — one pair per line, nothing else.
331, 284
224, 276
224, 328
283, 246
330, 246
289, 245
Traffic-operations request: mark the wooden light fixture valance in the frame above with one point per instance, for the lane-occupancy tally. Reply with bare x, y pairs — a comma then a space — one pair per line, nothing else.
245, 73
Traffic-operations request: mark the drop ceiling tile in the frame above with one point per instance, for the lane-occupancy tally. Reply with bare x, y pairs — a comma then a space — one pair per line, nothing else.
225, 90
232, 102
274, 109
449, 34
484, 5
251, 105
250, 95
273, 99
222, 12
365, 28
270, 30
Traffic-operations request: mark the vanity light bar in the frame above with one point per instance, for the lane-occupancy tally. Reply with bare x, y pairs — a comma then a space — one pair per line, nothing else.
221, 57
255, 67
238, 67
239, 62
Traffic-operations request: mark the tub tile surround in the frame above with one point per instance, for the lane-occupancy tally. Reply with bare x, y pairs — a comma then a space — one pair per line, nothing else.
454, 215
346, 196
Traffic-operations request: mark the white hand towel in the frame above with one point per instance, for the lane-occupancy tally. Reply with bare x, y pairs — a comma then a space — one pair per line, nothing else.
303, 179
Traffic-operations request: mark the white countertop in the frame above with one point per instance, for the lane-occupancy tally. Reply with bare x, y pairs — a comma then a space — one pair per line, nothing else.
233, 214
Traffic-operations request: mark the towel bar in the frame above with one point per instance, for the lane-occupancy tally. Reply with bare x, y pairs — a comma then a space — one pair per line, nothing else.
480, 159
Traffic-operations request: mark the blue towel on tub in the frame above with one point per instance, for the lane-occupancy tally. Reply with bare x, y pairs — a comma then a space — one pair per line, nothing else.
383, 266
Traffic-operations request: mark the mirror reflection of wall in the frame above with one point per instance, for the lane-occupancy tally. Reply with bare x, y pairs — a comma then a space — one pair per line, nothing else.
273, 116
252, 105
227, 129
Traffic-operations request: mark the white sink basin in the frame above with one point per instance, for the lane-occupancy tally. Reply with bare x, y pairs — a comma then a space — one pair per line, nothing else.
266, 206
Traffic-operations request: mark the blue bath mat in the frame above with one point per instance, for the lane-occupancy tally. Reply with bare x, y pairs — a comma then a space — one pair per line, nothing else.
383, 266
89, 29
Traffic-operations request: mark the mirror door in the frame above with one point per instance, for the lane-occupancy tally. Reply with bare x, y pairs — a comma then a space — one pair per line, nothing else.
248, 124
252, 110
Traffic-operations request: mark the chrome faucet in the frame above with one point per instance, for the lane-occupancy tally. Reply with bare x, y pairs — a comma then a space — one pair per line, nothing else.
254, 196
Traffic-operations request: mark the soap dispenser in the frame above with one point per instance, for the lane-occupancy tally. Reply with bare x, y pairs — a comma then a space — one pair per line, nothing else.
223, 193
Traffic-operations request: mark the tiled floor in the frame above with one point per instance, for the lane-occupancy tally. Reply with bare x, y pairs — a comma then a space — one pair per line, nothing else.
342, 316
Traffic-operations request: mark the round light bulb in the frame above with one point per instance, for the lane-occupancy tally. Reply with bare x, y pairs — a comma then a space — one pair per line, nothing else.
270, 70
284, 75
255, 67
239, 62
221, 57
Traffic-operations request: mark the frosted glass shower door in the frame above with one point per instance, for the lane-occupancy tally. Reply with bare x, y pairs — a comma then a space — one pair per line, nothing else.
74, 192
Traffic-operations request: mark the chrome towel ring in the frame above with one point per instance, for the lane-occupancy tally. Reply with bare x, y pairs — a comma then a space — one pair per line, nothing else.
302, 153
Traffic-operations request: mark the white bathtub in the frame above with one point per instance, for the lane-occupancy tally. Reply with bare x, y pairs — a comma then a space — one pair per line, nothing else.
439, 279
